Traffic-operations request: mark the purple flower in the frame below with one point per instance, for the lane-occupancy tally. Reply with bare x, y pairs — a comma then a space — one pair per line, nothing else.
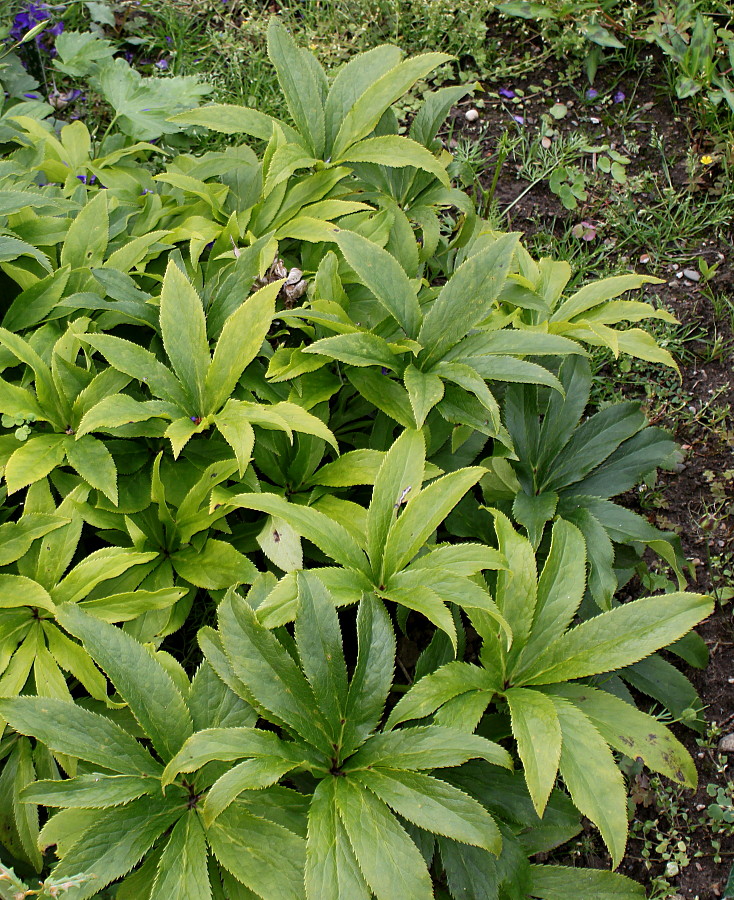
82, 178
619, 97
169, 39
56, 29
32, 96
519, 119
506, 92
162, 64
592, 94
26, 19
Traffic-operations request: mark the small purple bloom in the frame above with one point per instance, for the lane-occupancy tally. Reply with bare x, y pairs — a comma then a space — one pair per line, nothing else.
82, 178
56, 29
169, 39
32, 96
162, 64
619, 97
519, 119
506, 92
385, 371
26, 19
592, 94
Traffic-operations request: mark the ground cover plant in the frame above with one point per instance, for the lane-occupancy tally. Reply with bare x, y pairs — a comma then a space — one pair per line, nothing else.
313, 580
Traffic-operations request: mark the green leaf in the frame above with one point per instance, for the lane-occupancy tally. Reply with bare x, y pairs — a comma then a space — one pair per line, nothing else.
330, 537
632, 732
388, 859
218, 565
250, 775
181, 430
467, 297
239, 343
299, 419
537, 731
383, 275
86, 239
183, 327
20, 402
426, 747
368, 108
384, 393
299, 84
319, 642
433, 112
33, 305
115, 842
140, 679
425, 391
629, 463
617, 638
16, 537
352, 80
234, 119
406, 590
437, 688
234, 425
434, 805
559, 883
224, 744
263, 855
33, 460
592, 777
332, 872
17, 590
182, 867
361, 348
265, 667
423, 514
399, 478
67, 728
470, 871
372, 675
281, 544
599, 292
532, 511
141, 364
112, 412
97, 567
90, 791
143, 105
395, 151
592, 443
353, 467
94, 462
560, 588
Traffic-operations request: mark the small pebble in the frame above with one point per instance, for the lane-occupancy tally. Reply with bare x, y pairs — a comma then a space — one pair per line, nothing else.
545, 142
471, 115
727, 743
692, 274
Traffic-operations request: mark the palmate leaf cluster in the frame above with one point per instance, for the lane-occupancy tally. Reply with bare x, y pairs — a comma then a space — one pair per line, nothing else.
270, 416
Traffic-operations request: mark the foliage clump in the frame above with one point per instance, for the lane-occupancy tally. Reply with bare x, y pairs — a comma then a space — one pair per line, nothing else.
264, 412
